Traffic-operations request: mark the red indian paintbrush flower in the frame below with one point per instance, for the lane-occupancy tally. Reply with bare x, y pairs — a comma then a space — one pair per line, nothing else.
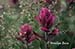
46, 19
26, 33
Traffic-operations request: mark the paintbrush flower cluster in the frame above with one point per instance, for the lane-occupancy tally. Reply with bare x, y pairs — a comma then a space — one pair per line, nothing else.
46, 20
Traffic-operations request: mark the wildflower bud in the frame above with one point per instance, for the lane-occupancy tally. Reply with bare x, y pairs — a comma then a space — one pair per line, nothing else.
55, 31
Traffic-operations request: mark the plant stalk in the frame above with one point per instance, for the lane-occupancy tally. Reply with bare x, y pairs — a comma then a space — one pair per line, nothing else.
46, 38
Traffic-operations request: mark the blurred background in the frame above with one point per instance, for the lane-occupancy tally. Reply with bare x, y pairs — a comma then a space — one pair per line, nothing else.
18, 12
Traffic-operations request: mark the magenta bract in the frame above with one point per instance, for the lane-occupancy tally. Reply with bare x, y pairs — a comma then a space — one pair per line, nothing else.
45, 29
55, 31
45, 18
26, 28
26, 33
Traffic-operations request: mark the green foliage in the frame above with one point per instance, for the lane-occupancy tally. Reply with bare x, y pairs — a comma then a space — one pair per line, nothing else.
25, 13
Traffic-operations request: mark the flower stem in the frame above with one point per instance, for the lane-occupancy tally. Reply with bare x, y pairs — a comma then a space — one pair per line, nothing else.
27, 46
46, 38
